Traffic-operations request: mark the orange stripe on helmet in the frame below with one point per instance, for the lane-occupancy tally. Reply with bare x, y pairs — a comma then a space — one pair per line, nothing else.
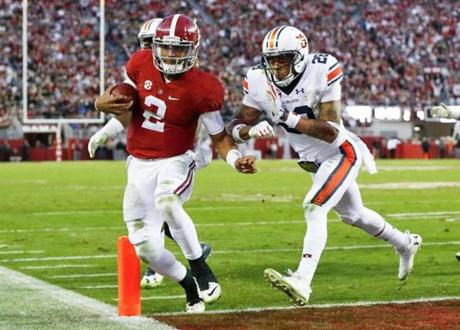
334, 73
337, 176
272, 38
245, 84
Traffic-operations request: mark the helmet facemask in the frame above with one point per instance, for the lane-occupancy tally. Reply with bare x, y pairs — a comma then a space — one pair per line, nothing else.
294, 57
173, 56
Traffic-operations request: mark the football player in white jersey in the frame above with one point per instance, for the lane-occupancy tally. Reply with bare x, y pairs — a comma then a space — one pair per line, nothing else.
202, 155
443, 111
301, 92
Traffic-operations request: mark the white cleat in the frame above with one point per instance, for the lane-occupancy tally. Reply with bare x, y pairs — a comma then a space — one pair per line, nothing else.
293, 285
198, 307
212, 293
406, 256
151, 279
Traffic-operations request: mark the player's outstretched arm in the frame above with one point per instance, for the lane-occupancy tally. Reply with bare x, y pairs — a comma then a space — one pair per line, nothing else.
443, 111
108, 103
243, 127
110, 130
227, 150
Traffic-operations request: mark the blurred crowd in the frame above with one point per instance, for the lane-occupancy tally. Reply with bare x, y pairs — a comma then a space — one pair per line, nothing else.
393, 52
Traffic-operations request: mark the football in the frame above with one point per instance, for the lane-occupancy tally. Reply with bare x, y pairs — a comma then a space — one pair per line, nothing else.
126, 90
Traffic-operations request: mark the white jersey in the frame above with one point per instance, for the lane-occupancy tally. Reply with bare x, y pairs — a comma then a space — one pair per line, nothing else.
320, 82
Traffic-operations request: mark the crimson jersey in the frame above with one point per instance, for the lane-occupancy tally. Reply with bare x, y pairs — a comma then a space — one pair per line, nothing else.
165, 120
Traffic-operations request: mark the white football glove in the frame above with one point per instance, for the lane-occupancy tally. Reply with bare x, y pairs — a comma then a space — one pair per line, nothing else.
440, 111
261, 129
275, 101
95, 141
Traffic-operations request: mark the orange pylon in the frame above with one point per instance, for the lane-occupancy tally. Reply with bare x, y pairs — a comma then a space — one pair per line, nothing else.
129, 269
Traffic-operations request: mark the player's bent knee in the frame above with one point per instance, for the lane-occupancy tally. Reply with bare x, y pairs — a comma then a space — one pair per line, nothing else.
311, 208
147, 247
348, 219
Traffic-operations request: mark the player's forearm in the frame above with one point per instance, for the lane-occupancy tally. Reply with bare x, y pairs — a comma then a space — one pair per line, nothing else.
318, 129
124, 118
238, 130
224, 145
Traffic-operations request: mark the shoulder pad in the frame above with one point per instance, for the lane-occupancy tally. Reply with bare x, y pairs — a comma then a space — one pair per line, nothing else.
326, 66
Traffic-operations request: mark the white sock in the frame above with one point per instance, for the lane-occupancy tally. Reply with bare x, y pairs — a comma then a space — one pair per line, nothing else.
373, 223
314, 241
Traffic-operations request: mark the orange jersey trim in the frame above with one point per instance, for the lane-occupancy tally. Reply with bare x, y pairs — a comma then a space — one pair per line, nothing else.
336, 178
334, 73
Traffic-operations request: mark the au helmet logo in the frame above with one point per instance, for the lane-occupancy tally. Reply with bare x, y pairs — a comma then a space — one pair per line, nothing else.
147, 85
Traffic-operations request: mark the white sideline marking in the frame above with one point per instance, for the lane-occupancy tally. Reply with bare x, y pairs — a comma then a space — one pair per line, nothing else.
57, 266
22, 252
247, 251
91, 306
407, 216
84, 275
325, 306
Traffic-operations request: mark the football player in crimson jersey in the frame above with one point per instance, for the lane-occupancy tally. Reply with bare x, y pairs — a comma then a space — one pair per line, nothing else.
301, 92
173, 94
202, 150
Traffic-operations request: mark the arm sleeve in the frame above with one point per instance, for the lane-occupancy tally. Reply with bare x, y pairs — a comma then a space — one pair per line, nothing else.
213, 122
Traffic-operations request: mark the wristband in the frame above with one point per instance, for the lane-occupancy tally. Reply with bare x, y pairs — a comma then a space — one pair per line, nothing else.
232, 156
292, 120
236, 133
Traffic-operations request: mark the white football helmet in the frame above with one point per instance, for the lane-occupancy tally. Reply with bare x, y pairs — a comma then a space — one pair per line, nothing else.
147, 32
285, 40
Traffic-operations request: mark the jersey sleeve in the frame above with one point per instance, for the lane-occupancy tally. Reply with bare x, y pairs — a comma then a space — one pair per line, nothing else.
132, 68
213, 96
334, 76
252, 87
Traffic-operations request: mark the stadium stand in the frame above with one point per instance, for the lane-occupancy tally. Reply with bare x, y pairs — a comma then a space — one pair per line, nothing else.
401, 53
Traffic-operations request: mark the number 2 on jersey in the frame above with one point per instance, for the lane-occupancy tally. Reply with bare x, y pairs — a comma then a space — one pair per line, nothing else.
158, 124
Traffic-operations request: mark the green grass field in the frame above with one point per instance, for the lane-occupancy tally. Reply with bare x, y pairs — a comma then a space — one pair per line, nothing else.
68, 215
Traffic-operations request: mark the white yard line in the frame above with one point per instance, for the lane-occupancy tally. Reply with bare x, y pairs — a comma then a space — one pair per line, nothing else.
53, 305
350, 304
22, 252
57, 266
97, 287
245, 251
84, 275
402, 216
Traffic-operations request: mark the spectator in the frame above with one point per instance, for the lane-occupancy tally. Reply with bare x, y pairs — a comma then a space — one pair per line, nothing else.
25, 150
391, 146
425, 148
5, 151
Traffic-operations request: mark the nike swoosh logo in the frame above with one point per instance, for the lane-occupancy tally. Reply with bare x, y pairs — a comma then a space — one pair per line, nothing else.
172, 98
212, 291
